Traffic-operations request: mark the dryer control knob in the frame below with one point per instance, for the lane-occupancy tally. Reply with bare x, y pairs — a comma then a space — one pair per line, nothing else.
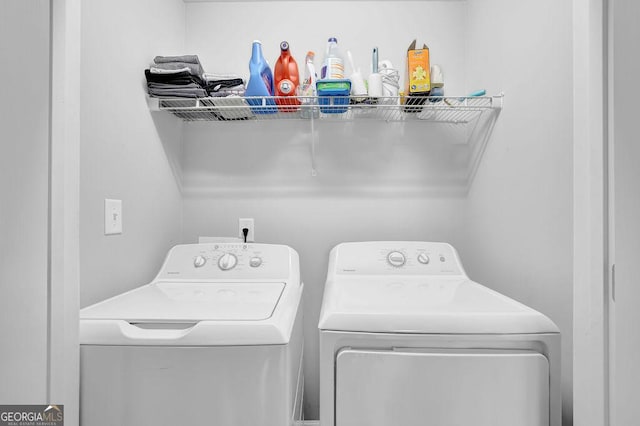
227, 261
199, 261
395, 258
255, 261
423, 258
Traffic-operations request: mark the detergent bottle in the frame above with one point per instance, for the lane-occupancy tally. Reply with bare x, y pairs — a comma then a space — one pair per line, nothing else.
333, 65
260, 82
286, 80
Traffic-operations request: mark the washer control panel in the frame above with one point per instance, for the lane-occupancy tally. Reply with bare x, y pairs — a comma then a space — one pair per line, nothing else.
396, 258
229, 260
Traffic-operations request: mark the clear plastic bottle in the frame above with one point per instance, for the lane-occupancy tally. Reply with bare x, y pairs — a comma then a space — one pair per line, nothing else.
333, 65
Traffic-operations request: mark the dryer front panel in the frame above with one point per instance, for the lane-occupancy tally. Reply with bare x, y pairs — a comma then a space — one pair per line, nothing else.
408, 386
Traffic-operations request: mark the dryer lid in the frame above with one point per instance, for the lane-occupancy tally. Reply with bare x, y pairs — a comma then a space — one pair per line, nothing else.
426, 306
190, 302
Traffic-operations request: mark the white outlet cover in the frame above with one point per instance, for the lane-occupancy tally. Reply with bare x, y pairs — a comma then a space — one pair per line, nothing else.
249, 224
112, 217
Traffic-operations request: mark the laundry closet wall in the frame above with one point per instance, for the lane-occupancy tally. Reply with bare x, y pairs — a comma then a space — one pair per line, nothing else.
519, 223
126, 153
376, 180
24, 209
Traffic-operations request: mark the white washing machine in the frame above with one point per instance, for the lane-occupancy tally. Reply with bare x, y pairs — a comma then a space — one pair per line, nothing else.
406, 338
215, 338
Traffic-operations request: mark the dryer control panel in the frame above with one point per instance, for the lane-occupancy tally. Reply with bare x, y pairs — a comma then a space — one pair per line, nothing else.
396, 258
235, 261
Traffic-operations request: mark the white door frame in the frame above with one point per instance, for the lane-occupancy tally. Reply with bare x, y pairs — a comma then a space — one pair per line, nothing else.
590, 262
64, 225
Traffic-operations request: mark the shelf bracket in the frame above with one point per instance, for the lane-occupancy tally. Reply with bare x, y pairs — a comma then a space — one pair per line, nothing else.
482, 140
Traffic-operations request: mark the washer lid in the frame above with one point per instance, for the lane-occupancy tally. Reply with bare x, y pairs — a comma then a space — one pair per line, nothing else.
189, 302
426, 306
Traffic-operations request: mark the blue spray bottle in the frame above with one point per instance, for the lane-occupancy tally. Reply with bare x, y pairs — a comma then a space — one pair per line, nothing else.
260, 82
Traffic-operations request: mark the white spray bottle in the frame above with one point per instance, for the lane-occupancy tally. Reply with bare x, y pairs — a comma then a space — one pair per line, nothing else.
308, 87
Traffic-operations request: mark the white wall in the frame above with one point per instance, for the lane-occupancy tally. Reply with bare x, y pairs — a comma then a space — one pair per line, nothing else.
513, 230
126, 153
519, 211
353, 158
24, 179
222, 32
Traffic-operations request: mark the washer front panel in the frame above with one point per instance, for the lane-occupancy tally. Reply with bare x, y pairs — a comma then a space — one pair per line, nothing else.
452, 387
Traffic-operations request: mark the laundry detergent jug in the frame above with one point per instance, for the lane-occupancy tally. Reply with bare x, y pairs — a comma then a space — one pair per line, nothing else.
260, 90
287, 80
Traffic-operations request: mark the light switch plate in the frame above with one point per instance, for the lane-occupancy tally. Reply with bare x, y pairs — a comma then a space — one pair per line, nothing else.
112, 217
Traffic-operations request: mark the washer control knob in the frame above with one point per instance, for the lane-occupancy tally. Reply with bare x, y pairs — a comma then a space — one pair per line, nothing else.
395, 258
255, 261
227, 261
199, 261
423, 258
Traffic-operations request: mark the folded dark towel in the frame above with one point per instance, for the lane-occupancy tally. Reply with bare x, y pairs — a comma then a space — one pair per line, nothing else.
189, 59
164, 86
183, 77
176, 81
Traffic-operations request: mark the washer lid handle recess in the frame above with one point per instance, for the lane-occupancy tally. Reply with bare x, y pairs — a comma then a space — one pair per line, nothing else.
202, 333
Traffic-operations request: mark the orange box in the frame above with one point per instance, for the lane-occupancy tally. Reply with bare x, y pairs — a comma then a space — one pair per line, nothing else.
418, 70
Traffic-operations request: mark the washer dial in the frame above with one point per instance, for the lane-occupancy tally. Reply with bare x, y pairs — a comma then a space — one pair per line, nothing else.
227, 261
395, 258
423, 258
199, 261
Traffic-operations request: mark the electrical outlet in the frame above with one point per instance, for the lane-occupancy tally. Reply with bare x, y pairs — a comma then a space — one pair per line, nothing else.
112, 217
246, 223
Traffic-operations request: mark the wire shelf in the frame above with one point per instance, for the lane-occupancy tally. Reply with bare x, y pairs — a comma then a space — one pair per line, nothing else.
453, 110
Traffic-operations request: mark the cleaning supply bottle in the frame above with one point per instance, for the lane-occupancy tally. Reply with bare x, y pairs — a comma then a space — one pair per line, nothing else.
358, 87
310, 76
308, 88
286, 80
437, 84
333, 65
260, 82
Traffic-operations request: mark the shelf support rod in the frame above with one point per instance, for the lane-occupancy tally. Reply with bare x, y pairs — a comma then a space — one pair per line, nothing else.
314, 172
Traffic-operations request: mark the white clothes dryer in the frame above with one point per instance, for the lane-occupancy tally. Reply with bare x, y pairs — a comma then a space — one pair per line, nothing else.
215, 338
406, 338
